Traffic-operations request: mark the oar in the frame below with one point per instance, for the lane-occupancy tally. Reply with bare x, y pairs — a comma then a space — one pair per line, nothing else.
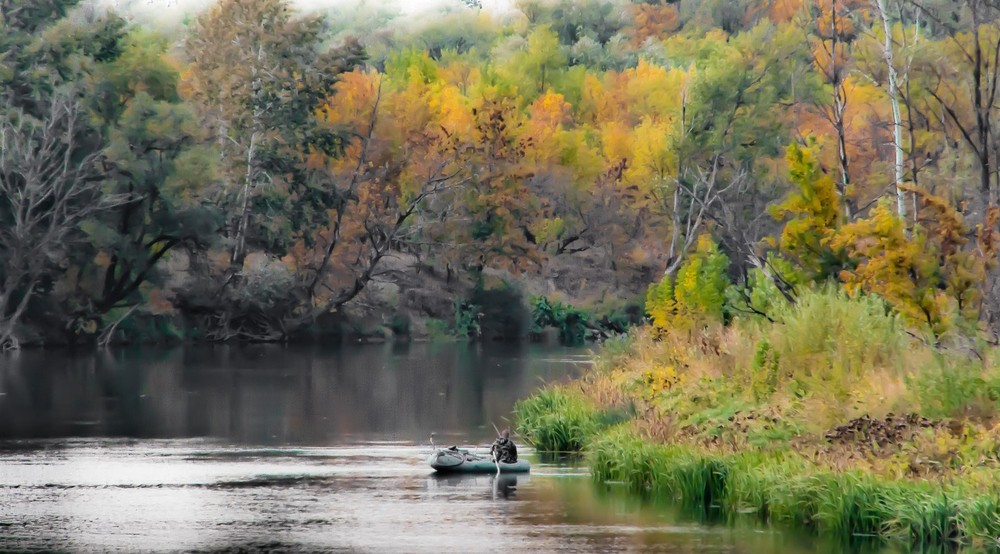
493, 452
496, 480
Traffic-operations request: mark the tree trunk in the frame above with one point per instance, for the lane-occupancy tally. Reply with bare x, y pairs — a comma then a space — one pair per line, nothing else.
907, 99
673, 259
839, 109
897, 130
983, 108
239, 249
8, 340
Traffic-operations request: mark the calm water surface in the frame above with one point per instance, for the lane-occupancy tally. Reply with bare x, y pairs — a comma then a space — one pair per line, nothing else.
265, 448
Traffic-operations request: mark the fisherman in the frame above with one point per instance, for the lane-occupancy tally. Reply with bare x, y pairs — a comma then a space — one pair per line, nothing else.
503, 450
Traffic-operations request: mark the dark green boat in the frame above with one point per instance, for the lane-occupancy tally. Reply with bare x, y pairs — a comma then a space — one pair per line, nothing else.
456, 460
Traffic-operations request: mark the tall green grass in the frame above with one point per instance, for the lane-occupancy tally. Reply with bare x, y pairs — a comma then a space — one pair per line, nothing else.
782, 487
826, 343
949, 386
559, 420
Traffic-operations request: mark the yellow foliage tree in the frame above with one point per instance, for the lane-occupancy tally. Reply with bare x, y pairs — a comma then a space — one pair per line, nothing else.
698, 295
900, 269
928, 276
813, 213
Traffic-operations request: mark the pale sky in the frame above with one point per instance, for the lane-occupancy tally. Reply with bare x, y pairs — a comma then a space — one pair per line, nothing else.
170, 11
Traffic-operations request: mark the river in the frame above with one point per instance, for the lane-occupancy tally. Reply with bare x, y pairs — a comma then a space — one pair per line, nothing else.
307, 449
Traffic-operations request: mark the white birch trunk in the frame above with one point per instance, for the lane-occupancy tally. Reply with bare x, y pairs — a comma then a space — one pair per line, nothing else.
897, 128
239, 249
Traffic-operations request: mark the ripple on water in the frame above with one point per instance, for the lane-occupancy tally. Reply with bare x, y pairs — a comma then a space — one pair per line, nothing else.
194, 496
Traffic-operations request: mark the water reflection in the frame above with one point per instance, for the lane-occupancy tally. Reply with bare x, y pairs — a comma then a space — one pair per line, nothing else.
269, 394
498, 487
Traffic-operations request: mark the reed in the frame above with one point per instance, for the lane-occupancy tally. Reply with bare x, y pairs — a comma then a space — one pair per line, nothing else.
784, 488
557, 420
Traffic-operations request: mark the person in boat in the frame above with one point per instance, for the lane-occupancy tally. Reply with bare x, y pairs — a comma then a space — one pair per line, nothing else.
503, 450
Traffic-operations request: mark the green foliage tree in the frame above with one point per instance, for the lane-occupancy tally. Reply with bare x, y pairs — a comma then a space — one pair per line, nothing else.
43, 52
723, 132
157, 161
572, 322
537, 65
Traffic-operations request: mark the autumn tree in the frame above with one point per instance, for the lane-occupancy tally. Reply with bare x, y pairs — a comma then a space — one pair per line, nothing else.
497, 202
932, 275
697, 296
954, 77
653, 20
812, 213
929, 277
403, 157
401, 153
834, 32
257, 73
960, 77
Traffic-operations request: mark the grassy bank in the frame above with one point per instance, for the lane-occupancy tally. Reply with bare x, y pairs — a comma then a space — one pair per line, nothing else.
832, 417
786, 488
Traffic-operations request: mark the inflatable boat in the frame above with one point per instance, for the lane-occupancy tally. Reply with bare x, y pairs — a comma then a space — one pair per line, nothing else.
456, 460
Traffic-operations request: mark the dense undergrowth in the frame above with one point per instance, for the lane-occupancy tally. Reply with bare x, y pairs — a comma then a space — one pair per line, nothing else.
503, 311
832, 415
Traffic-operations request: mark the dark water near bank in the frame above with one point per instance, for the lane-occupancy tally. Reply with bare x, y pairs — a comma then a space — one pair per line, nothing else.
265, 448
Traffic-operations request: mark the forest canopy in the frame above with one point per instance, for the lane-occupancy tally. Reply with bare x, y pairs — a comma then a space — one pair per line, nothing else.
259, 170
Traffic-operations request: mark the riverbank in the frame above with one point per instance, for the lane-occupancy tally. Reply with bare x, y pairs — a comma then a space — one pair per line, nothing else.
832, 418
420, 303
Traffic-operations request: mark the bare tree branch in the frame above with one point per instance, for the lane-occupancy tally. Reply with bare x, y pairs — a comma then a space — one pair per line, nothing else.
48, 186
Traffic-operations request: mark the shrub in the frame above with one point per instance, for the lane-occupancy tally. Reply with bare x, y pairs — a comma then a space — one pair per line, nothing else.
615, 351
572, 322
400, 324
827, 341
955, 388
437, 330
467, 318
498, 312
